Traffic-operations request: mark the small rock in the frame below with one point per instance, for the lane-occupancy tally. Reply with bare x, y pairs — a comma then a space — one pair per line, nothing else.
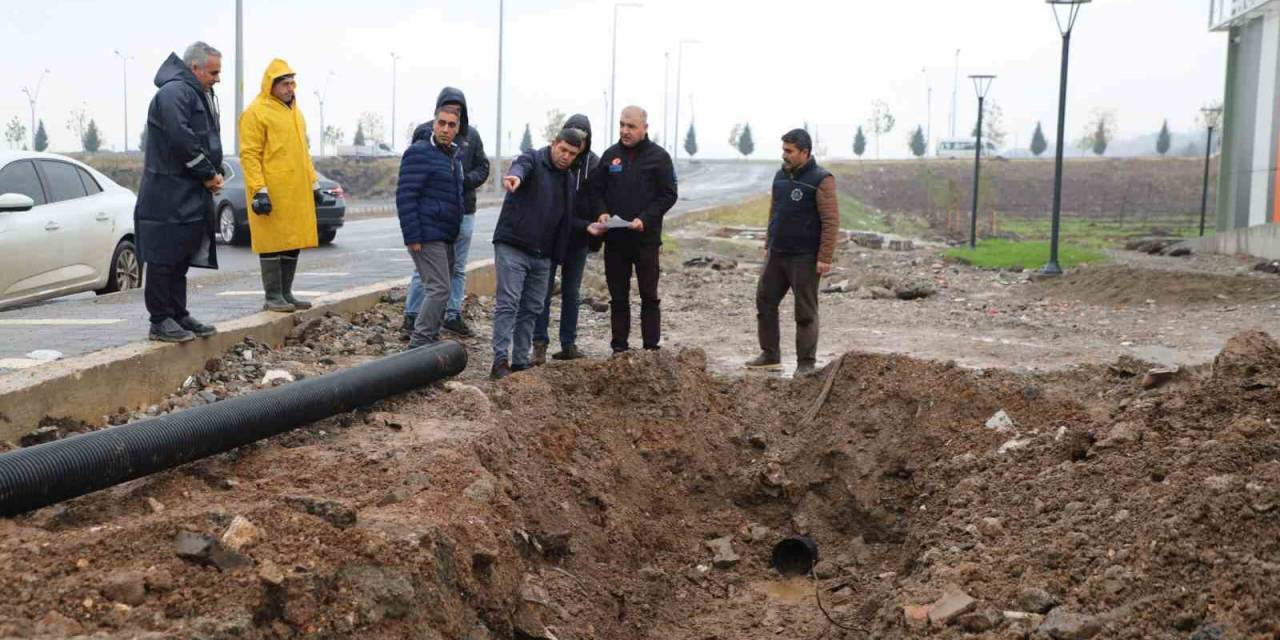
270, 573
980, 621
1013, 445
838, 287
1001, 423
1219, 483
128, 587
1061, 624
724, 556
915, 615
241, 533
1035, 600
825, 570
953, 604
759, 532
155, 505
1157, 377
332, 511
991, 527
758, 441
208, 396
275, 377
482, 490
193, 546
56, 625
159, 580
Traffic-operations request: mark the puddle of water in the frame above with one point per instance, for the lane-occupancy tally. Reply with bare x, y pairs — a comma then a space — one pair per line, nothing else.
792, 590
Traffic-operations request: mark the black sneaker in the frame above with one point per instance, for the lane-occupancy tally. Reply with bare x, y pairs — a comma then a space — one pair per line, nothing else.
170, 331
766, 362
458, 326
406, 329
570, 352
805, 369
500, 370
201, 329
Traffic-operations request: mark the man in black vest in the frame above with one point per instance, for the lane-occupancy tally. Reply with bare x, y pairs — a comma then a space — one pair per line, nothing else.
804, 222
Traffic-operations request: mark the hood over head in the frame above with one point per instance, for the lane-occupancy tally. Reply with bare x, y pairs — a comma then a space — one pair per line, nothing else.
276, 69
455, 95
173, 70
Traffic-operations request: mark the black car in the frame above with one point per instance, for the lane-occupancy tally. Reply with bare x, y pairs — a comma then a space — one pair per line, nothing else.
233, 208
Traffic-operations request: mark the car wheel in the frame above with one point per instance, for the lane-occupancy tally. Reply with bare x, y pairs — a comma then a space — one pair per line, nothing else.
327, 234
126, 269
228, 231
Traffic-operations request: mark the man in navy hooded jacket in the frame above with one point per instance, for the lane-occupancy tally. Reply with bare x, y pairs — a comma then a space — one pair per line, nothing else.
430, 206
532, 231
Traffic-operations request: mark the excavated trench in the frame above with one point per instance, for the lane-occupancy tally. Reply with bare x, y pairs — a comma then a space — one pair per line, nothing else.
641, 497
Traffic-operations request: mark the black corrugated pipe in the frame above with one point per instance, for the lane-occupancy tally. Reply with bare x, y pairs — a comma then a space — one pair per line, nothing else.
55, 471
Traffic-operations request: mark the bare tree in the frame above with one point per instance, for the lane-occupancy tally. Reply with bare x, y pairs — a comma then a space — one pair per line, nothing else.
15, 132
555, 122
373, 128
77, 121
880, 122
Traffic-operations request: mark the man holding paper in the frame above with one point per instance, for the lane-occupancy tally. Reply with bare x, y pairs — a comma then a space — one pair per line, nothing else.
633, 187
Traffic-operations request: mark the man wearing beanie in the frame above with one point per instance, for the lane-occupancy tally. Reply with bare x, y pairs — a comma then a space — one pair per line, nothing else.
280, 183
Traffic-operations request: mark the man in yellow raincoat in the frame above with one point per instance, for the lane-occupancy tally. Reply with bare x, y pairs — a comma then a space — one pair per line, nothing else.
280, 184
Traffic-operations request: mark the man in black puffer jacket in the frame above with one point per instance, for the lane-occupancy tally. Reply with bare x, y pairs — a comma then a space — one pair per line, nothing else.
475, 172
575, 258
533, 229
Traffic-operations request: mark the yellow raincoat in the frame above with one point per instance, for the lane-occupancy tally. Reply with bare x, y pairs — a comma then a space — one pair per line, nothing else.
274, 154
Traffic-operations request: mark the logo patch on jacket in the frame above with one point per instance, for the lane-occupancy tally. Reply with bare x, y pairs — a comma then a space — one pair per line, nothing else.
615, 166
797, 195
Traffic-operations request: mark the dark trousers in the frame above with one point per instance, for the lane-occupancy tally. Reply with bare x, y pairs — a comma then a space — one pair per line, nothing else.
619, 261
799, 274
165, 291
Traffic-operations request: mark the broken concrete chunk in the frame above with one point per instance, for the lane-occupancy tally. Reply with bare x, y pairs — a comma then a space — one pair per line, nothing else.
240, 533
1061, 624
1035, 600
1157, 377
127, 587
724, 556
953, 604
276, 376
1002, 423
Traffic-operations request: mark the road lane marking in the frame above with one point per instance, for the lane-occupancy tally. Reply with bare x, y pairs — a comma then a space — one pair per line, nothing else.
260, 293
58, 322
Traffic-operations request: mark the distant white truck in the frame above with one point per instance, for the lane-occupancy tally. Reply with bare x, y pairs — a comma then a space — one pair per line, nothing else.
380, 150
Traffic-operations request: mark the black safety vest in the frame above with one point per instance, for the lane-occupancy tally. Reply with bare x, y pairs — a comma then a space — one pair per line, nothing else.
795, 226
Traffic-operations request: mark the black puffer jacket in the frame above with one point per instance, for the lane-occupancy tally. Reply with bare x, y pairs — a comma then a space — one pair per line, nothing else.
184, 148
475, 163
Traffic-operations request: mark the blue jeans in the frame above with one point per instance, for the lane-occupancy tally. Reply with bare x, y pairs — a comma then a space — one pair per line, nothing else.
575, 263
458, 285
523, 280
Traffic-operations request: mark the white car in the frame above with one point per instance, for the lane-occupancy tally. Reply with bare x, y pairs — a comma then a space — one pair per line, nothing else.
64, 228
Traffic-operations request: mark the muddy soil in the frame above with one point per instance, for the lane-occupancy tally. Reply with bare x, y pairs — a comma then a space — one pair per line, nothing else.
1069, 495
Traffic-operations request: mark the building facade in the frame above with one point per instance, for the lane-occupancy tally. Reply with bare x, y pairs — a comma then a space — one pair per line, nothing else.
1248, 194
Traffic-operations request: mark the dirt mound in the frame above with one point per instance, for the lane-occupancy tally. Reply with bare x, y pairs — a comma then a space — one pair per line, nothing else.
1119, 285
640, 496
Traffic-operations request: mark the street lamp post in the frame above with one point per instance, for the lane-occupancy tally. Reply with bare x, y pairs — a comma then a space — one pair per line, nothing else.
981, 84
497, 134
320, 96
666, 97
955, 87
613, 69
31, 99
675, 149
124, 68
928, 134
1211, 116
239, 71
394, 59
1065, 13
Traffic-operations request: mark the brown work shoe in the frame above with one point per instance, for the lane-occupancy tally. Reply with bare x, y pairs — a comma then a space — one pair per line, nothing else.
765, 362
539, 354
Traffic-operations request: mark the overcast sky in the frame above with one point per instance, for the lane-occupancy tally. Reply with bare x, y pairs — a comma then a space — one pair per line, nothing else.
773, 64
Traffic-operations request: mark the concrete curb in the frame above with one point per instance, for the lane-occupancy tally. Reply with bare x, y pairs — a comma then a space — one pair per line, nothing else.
135, 375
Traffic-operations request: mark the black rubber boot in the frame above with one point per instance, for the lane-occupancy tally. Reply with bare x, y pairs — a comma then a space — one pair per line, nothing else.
273, 286
289, 267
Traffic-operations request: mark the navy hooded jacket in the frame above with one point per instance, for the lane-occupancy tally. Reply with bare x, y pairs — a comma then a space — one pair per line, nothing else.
475, 164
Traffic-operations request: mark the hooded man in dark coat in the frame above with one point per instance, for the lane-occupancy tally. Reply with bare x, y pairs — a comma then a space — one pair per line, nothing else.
174, 217
475, 172
583, 239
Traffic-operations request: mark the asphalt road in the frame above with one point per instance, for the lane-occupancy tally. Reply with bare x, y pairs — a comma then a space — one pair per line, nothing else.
365, 252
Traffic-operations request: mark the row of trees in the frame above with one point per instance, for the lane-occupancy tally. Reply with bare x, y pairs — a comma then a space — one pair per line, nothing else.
85, 128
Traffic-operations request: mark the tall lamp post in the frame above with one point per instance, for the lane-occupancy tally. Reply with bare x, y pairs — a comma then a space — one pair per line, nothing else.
666, 95
613, 69
675, 148
928, 84
497, 134
239, 72
982, 85
1065, 13
31, 99
394, 59
124, 69
320, 96
955, 90
1211, 116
